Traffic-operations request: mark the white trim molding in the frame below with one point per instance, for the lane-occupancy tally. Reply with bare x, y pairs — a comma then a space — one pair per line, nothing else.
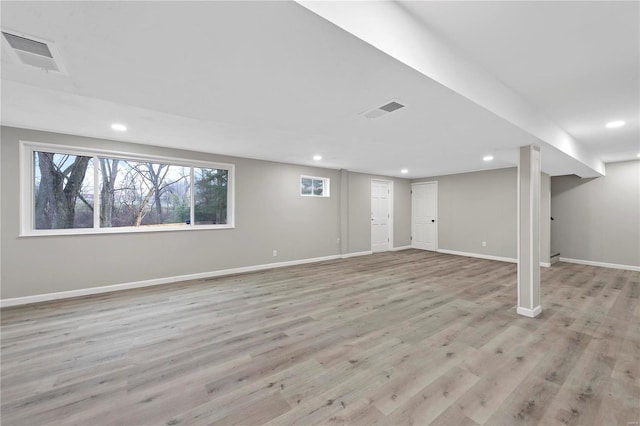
356, 254
531, 313
401, 248
16, 301
478, 255
484, 256
601, 264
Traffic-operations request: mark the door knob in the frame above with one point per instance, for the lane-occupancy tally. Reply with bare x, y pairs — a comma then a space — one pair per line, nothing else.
433, 220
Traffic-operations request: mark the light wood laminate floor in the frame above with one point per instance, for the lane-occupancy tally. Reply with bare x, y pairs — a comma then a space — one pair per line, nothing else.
408, 337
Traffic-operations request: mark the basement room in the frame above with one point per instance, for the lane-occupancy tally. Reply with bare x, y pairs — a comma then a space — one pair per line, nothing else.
320, 213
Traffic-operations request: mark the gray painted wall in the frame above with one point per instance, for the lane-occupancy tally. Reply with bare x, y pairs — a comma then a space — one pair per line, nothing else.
269, 216
598, 219
475, 207
545, 218
482, 206
359, 211
472, 207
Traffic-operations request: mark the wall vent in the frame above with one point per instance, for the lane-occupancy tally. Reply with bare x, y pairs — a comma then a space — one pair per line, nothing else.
385, 109
391, 106
32, 52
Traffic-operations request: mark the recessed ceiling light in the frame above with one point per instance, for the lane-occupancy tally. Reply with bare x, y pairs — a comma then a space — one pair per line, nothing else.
614, 124
404, 171
119, 127
488, 158
317, 157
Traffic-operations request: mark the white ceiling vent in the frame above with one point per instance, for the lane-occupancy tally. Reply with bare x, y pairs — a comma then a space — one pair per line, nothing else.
33, 52
385, 109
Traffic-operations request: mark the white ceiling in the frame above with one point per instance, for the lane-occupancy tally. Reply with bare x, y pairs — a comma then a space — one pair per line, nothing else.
272, 80
578, 61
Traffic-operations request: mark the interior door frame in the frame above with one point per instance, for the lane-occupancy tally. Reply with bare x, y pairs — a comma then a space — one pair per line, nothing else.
413, 185
390, 243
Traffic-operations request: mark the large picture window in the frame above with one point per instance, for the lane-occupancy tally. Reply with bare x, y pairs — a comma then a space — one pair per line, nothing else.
71, 190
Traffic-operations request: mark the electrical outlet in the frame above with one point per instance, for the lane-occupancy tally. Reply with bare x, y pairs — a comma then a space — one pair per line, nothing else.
275, 253
484, 244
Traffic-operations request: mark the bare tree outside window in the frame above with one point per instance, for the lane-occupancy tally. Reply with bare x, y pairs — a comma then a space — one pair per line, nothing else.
109, 173
130, 193
145, 193
63, 191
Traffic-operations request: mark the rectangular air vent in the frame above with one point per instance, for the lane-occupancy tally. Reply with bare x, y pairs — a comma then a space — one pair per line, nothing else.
27, 45
383, 110
391, 106
32, 52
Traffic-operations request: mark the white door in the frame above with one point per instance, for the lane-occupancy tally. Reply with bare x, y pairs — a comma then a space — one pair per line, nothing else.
380, 215
424, 212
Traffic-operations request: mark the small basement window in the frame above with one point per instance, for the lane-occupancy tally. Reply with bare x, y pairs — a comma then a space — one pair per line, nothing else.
311, 186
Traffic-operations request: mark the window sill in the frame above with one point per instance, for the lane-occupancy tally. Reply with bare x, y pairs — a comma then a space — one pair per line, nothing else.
119, 230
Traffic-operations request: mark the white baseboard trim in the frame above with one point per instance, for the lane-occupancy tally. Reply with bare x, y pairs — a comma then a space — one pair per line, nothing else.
4, 303
601, 264
531, 313
356, 254
401, 248
478, 255
487, 256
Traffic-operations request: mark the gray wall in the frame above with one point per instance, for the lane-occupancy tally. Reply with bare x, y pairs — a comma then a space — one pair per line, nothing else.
598, 219
475, 207
482, 206
359, 211
269, 216
545, 218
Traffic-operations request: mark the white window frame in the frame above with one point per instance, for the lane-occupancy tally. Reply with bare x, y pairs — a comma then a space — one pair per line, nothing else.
27, 173
325, 186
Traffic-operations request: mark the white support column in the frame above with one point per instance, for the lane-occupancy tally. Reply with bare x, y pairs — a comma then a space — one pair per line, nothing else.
529, 232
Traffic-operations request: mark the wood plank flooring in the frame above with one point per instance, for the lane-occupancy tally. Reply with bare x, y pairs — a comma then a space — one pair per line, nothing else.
399, 338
